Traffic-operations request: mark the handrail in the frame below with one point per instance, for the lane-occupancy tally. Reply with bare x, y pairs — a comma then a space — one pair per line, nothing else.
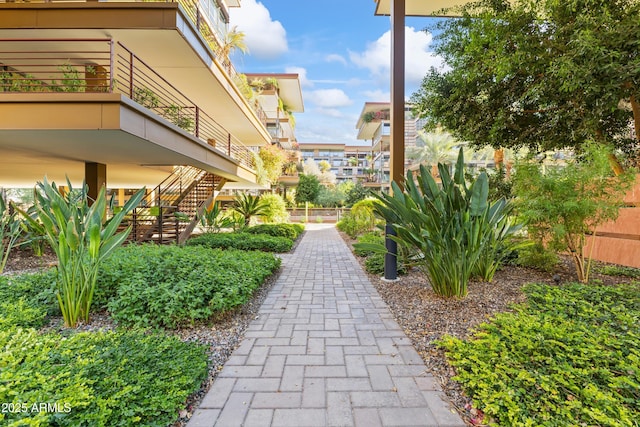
104, 66
201, 19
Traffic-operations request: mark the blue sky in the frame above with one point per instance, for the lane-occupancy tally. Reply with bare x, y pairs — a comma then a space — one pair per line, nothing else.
339, 49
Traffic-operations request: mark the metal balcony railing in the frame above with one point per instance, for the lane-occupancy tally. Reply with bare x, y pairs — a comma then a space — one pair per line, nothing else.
209, 20
100, 65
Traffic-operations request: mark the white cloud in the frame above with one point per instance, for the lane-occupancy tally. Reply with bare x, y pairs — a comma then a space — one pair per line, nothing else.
265, 38
328, 98
302, 75
418, 59
334, 57
330, 112
377, 95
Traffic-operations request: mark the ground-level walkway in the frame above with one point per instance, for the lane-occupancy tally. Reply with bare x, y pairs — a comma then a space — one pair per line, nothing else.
324, 351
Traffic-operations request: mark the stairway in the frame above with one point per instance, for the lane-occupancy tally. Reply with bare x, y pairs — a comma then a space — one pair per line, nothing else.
169, 213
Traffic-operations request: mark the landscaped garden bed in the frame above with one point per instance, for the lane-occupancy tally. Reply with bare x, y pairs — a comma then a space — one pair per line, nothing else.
155, 308
427, 319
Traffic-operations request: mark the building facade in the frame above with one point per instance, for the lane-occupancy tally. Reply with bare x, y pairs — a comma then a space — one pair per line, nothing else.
126, 95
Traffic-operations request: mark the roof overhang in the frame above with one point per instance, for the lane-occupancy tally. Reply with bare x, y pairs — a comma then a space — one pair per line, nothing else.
421, 7
55, 134
289, 88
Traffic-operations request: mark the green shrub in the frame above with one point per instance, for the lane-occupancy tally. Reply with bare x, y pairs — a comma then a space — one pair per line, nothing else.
10, 231
21, 313
538, 257
371, 237
360, 219
97, 379
242, 241
449, 226
619, 270
81, 239
569, 356
169, 286
275, 209
289, 231
374, 264
34, 292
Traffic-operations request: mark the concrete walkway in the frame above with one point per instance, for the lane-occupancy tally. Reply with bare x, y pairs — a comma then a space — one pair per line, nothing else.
324, 351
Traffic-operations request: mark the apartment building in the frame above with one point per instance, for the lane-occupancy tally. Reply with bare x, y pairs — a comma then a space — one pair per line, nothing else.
348, 162
127, 94
374, 125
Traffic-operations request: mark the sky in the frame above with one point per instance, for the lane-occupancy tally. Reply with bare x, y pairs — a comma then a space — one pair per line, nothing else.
340, 51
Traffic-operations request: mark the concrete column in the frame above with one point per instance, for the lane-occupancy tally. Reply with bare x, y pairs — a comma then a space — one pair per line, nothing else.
95, 175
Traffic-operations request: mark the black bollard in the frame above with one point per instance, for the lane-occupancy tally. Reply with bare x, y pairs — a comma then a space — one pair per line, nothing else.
391, 257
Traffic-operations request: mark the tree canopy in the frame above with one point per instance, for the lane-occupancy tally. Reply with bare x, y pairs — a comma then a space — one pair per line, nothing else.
544, 74
308, 188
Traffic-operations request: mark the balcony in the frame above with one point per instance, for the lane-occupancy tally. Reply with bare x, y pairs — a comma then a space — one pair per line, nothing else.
183, 40
95, 100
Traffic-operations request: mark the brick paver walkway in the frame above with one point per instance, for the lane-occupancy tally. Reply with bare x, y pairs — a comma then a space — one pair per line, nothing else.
324, 351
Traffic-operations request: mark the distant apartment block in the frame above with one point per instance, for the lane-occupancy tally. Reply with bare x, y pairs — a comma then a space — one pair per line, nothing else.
348, 162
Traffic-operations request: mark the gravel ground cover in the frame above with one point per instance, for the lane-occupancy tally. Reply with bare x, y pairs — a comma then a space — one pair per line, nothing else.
426, 317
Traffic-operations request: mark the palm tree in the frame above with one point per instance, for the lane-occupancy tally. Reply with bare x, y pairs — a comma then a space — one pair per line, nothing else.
233, 40
248, 206
437, 147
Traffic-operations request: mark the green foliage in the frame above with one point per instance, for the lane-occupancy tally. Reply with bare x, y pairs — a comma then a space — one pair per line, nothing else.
170, 286
248, 206
9, 232
213, 219
360, 219
32, 235
450, 227
308, 189
80, 239
26, 299
371, 237
331, 197
619, 270
98, 379
535, 74
289, 231
242, 241
570, 356
374, 264
355, 194
176, 115
564, 204
499, 185
146, 97
275, 209
498, 228
538, 257
273, 161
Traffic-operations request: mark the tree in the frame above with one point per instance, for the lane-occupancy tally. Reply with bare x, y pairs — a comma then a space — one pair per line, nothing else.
273, 160
357, 193
324, 166
545, 75
564, 205
234, 40
307, 191
326, 177
437, 147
